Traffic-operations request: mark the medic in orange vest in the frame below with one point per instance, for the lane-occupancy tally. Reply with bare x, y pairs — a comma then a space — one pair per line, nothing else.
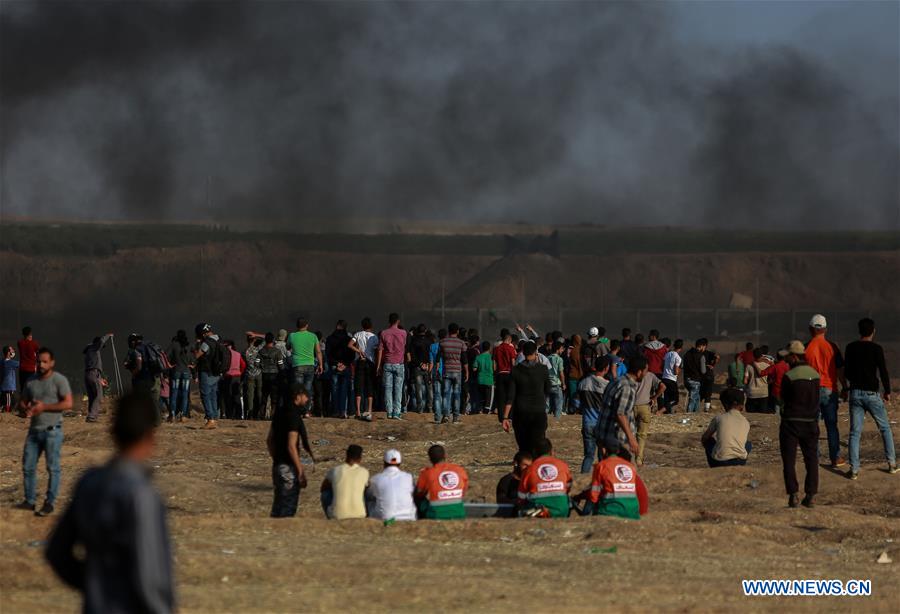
441, 487
616, 488
544, 487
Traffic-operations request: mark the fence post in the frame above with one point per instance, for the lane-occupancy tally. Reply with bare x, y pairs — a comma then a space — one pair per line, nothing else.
716, 325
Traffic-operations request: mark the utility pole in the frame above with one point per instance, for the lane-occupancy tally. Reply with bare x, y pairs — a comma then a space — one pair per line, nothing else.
678, 304
443, 300
757, 311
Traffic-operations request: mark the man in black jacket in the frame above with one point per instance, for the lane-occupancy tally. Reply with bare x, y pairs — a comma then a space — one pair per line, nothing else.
526, 404
694, 372
339, 357
799, 425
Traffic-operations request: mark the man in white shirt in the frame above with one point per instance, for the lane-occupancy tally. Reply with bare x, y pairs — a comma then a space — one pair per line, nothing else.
365, 344
671, 369
390, 493
344, 487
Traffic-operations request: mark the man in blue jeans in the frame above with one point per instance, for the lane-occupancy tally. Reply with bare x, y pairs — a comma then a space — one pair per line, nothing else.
864, 366
44, 399
590, 391
210, 363
456, 371
436, 366
694, 372
825, 357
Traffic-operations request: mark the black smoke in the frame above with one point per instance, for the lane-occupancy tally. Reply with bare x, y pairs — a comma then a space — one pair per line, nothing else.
470, 111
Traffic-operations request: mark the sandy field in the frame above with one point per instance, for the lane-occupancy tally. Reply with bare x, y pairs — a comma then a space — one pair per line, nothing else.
706, 530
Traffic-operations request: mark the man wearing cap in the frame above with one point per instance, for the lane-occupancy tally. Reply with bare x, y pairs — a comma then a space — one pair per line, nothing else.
390, 493
825, 357
800, 425
725, 439
544, 487
208, 374
441, 487
593, 347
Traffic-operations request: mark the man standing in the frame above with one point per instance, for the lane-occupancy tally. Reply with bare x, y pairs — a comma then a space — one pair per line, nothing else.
864, 367
617, 415
671, 369
545, 486
118, 521
484, 368
525, 410
649, 391
694, 372
725, 439
93, 375
420, 367
655, 353
286, 434
339, 358
391, 364
441, 487
252, 376
28, 348
391, 491
756, 384
212, 360
365, 344
44, 399
800, 425
504, 358
628, 349
344, 487
456, 371
557, 379
825, 357
306, 358
594, 347
591, 390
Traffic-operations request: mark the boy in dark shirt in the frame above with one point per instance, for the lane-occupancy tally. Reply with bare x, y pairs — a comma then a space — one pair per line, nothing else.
508, 486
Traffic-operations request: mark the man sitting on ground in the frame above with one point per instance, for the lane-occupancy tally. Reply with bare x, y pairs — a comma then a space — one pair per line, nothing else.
508, 486
544, 488
390, 493
441, 487
725, 439
344, 487
616, 488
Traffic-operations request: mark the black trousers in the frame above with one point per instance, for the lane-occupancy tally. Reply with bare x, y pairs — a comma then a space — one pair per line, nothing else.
530, 430
670, 396
806, 435
501, 392
269, 391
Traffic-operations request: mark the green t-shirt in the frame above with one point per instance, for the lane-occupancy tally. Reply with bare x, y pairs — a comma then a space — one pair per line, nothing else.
303, 348
557, 362
484, 366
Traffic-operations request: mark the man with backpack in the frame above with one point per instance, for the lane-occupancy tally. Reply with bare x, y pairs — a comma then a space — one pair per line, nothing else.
211, 363
146, 362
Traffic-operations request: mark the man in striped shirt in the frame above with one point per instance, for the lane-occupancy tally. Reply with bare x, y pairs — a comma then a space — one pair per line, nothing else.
456, 370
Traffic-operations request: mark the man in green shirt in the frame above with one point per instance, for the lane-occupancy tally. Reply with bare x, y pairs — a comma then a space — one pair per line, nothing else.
484, 367
306, 358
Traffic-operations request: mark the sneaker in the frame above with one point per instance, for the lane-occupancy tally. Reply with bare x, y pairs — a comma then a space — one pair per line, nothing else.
25, 505
457, 419
794, 500
838, 462
210, 424
445, 420
180, 418
90, 419
46, 510
894, 468
809, 501
170, 420
853, 475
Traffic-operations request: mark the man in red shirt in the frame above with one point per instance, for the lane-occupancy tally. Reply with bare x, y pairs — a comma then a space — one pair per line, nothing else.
504, 359
775, 373
28, 348
747, 355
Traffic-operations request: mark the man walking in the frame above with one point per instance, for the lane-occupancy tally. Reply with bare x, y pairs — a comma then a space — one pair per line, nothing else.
671, 369
865, 366
825, 357
93, 375
504, 358
617, 416
391, 364
118, 522
525, 410
649, 391
655, 353
800, 425
456, 371
44, 399
591, 390
306, 358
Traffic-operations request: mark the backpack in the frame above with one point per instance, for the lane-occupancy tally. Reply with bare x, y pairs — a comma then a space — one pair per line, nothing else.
219, 358
155, 360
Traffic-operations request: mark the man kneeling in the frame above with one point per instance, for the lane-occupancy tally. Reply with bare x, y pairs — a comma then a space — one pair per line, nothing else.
616, 489
544, 487
725, 440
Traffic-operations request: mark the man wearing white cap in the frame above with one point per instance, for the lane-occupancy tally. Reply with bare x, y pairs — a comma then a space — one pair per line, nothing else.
825, 357
390, 493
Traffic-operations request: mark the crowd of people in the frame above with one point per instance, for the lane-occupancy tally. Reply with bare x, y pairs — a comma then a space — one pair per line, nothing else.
616, 385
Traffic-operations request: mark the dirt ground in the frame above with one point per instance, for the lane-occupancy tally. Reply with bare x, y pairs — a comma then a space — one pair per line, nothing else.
706, 530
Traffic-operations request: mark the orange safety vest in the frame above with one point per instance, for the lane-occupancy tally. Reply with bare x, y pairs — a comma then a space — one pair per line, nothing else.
444, 483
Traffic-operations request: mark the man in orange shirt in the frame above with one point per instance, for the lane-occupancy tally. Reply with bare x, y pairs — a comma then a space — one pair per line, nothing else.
825, 357
544, 488
441, 487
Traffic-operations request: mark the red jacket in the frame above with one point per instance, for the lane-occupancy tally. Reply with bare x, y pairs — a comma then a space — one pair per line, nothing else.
655, 353
28, 355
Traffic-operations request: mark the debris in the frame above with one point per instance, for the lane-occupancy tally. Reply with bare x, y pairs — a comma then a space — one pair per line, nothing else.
390, 521
504, 538
705, 516
684, 421
884, 558
754, 484
321, 442
487, 560
227, 551
538, 533
568, 533
391, 438
37, 543
599, 550
224, 578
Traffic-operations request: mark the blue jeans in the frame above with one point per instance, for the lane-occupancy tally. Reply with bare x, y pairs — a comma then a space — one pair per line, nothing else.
693, 387
861, 402
209, 395
437, 386
36, 442
452, 389
392, 376
306, 375
589, 420
828, 408
340, 392
420, 383
556, 400
180, 394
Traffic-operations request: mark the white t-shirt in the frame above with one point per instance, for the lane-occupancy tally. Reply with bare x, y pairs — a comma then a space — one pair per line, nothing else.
348, 483
368, 343
392, 490
673, 360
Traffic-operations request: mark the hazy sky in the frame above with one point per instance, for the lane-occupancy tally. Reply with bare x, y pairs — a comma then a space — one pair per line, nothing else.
708, 113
